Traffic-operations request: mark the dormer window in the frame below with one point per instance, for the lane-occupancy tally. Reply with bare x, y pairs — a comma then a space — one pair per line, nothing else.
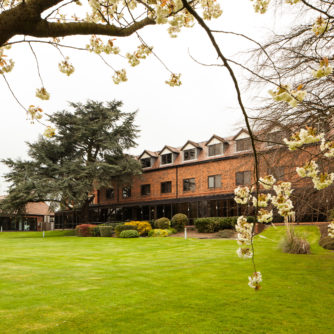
243, 144
275, 138
145, 162
215, 149
189, 154
166, 159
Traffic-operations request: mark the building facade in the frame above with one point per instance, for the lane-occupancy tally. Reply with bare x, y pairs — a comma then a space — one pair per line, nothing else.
197, 179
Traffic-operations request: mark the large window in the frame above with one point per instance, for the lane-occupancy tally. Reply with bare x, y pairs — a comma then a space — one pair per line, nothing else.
275, 138
145, 189
166, 187
215, 149
243, 144
189, 184
166, 159
214, 181
145, 162
277, 172
110, 193
189, 154
243, 178
126, 192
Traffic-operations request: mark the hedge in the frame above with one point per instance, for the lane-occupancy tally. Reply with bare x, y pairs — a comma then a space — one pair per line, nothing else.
215, 224
106, 231
129, 234
85, 230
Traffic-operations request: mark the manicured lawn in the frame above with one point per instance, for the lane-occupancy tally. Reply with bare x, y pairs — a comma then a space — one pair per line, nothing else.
65, 284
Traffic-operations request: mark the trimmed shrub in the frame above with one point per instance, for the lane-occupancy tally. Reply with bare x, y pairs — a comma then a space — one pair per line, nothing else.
112, 224
158, 233
294, 244
84, 230
121, 228
106, 231
179, 221
327, 243
162, 223
129, 234
94, 231
143, 227
226, 234
206, 225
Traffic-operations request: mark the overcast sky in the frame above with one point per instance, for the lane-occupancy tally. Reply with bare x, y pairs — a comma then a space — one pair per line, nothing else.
205, 104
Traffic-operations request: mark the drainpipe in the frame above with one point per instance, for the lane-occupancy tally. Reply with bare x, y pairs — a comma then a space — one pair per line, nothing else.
177, 181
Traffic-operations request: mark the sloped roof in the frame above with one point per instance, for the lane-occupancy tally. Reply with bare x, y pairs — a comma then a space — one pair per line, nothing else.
150, 153
38, 208
192, 143
170, 148
217, 137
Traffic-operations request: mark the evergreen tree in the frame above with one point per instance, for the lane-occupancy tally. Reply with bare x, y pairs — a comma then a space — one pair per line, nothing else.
86, 153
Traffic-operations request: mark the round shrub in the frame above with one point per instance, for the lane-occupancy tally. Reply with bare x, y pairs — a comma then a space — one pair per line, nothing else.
129, 234
179, 221
106, 231
162, 223
143, 227
158, 233
327, 243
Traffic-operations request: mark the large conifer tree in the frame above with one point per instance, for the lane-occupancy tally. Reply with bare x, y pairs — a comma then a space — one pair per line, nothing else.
87, 152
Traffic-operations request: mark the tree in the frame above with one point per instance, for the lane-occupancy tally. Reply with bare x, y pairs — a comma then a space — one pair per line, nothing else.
86, 153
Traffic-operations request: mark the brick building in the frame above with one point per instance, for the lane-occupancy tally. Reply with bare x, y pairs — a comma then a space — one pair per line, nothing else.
37, 216
197, 179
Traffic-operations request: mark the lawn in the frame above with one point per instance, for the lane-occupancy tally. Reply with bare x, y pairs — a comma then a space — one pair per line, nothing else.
67, 284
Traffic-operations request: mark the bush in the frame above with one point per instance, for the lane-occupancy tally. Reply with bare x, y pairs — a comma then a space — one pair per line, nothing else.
179, 221
294, 244
84, 230
94, 231
171, 231
129, 234
143, 227
158, 233
106, 231
162, 223
121, 228
226, 234
206, 225
112, 224
327, 243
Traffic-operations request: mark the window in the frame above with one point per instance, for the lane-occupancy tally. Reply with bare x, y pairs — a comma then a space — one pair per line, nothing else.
243, 144
166, 159
166, 187
126, 192
215, 149
276, 172
214, 181
243, 178
189, 184
146, 162
275, 138
145, 189
110, 193
189, 154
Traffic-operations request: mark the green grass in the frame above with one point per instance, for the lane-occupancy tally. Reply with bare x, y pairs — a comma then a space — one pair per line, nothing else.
66, 284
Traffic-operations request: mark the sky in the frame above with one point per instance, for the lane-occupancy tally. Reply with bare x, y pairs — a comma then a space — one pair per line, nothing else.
205, 103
